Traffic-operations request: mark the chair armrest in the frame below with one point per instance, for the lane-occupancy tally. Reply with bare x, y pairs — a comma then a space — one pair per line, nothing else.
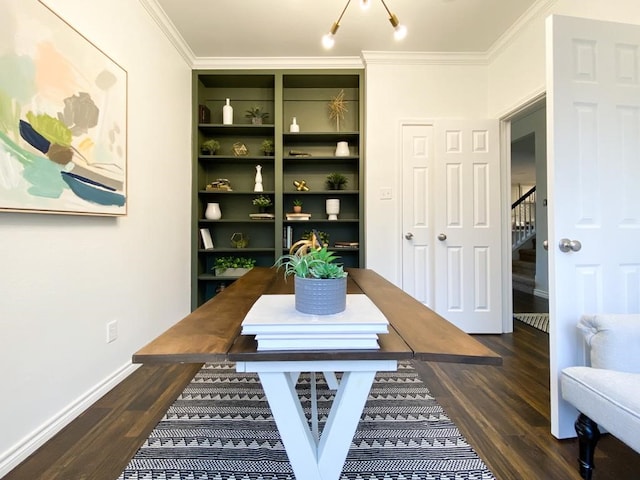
613, 341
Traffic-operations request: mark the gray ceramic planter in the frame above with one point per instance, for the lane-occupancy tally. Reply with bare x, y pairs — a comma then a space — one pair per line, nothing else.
321, 296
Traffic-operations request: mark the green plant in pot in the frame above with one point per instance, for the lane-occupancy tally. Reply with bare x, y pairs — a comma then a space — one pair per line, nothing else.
267, 147
257, 115
210, 147
336, 181
320, 282
233, 266
262, 202
297, 206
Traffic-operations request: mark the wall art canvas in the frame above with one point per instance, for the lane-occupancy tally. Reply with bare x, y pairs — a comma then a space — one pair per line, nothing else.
63, 117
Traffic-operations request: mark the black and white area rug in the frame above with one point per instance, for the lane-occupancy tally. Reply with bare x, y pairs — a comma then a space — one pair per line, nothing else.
536, 320
221, 428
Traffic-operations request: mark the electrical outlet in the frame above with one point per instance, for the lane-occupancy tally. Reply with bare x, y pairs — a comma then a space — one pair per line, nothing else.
112, 331
386, 193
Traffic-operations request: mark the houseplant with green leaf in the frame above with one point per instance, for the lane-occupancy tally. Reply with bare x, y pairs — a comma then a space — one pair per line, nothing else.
256, 115
336, 181
320, 282
233, 266
263, 202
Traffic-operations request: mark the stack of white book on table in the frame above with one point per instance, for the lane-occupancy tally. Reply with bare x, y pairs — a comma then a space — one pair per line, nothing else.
277, 325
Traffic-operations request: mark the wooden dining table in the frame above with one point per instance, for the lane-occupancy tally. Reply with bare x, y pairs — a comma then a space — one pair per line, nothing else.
213, 332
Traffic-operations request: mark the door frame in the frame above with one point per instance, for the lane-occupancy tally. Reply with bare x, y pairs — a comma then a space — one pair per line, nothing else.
523, 109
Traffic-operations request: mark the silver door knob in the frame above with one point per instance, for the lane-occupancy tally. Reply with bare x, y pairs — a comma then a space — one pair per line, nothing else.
545, 244
408, 235
442, 237
567, 245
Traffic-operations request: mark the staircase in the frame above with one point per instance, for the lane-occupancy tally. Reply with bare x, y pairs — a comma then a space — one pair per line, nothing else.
523, 242
523, 268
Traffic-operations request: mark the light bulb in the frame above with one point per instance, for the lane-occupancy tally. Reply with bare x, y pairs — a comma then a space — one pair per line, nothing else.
400, 32
364, 4
328, 41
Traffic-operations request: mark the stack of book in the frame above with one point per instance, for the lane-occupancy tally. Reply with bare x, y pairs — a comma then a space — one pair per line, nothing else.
277, 325
340, 244
262, 216
298, 216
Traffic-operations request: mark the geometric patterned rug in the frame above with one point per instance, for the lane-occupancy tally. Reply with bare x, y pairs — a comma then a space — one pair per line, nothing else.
221, 428
536, 320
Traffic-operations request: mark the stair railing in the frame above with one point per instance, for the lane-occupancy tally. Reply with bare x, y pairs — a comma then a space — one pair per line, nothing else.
523, 219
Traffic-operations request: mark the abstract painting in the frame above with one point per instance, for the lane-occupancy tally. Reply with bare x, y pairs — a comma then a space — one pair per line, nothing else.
63, 117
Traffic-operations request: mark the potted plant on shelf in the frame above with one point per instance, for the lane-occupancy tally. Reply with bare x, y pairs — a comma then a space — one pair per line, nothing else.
233, 266
210, 147
262, 202
297, 206
257, 115
267, 147
336, 181
320, 283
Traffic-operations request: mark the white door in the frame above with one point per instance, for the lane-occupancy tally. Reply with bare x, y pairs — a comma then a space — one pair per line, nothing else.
593, 127
467, 224
417, 172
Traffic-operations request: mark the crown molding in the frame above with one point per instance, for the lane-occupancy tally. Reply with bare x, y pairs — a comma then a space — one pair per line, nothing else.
424, 58
277, 63
539, 9
169, 29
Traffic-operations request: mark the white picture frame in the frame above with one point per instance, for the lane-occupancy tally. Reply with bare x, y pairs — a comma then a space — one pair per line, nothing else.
207, 241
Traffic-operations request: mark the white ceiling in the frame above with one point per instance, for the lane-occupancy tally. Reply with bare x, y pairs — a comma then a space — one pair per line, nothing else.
293, 28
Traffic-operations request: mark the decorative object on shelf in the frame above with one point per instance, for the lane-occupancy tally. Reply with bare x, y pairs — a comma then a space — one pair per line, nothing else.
399, 30
297, 216
262, 202
294, 127
227, 113
240, 149
297, 206
336, 181
262, 216
301, 185
337, 109
207, 241
298, 153
204, 114
256, 115
323, 237
213, 211
332, 208
267, 147
239, 240
233, 266
258, 180
210, 147
320, 283
220, 184
342, 149
343, 244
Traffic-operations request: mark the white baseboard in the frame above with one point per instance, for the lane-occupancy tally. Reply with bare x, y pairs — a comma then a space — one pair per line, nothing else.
19, 452
541, 293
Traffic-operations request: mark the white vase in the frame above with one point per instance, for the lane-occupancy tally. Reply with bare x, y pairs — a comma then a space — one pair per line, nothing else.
227, 114
342, 149
294, 127
213, 211
333, 208
258, 181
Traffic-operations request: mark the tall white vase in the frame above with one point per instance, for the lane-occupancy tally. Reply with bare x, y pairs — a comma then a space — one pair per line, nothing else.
333, 208
258, 185
213, 211
227, 114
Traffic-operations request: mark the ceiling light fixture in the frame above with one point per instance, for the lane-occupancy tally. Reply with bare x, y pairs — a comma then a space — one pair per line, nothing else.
400, 31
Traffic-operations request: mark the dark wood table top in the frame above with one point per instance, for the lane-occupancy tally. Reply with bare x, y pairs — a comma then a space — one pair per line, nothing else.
212, 331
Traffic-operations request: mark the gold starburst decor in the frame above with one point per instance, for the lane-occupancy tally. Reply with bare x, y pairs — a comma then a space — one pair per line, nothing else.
337, 108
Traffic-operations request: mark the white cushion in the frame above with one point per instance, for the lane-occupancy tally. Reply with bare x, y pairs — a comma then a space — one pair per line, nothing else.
609, 398
614, 340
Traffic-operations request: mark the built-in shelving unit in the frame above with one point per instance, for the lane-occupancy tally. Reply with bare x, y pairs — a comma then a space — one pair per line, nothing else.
284, 95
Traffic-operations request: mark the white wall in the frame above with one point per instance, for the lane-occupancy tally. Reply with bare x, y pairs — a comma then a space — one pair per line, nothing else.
63, 278
396, 92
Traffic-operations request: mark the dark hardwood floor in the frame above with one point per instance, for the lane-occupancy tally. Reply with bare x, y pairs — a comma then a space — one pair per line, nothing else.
502, 411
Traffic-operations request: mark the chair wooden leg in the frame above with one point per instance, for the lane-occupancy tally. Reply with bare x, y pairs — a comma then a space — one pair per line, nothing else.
588, 436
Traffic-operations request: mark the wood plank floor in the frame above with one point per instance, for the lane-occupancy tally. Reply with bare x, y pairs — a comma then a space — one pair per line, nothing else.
502, 411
